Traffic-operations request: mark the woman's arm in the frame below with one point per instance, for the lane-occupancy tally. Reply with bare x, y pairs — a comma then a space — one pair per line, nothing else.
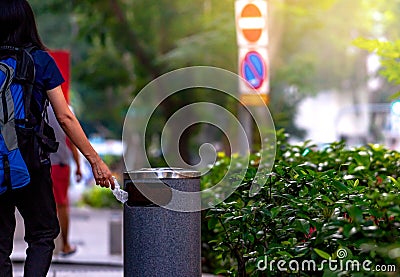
71, 126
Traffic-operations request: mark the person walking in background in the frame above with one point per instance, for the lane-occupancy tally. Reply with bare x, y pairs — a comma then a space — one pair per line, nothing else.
35, 200
60, 175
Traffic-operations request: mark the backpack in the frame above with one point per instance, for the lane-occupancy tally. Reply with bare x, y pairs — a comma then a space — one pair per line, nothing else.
26, 139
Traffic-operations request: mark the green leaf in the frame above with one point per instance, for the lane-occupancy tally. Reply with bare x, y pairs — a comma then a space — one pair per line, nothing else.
327, 199
302, 225
249, 237
396, 182
284, 254
322, 254
212, 222
359, 168
367, 44
356, 214
303, 192
394, 96
340, 186
348, 230
275, 211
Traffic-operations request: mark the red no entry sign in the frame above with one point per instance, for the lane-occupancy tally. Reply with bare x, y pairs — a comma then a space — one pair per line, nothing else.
251, 22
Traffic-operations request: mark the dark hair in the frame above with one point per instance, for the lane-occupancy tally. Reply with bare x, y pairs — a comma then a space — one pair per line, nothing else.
18, 25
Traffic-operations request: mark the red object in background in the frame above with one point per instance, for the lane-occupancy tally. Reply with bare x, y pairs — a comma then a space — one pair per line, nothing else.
62, 59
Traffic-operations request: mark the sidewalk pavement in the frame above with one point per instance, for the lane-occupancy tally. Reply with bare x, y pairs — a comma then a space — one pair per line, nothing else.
90, 232
97, 233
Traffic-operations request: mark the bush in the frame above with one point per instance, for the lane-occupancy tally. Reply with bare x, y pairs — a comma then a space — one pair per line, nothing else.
316, 205
98, 197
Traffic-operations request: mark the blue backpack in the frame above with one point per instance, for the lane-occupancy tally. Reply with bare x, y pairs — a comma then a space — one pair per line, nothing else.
25, 138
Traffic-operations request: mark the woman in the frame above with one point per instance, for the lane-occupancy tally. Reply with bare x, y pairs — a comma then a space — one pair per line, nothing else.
35, 201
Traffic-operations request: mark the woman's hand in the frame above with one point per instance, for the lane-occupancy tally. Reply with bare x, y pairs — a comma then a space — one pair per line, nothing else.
102, 174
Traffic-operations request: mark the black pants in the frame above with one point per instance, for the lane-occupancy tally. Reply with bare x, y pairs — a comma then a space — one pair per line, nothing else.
36, 204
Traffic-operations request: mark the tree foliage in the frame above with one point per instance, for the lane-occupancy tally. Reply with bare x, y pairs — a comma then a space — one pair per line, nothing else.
389, 53
118, 46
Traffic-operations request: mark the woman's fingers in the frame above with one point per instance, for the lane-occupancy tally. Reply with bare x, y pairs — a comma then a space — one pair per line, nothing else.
103, 176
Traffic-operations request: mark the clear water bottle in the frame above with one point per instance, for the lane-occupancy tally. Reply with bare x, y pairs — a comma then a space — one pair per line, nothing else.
120, 194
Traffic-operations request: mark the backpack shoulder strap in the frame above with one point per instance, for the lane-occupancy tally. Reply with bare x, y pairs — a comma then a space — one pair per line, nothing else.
24, 75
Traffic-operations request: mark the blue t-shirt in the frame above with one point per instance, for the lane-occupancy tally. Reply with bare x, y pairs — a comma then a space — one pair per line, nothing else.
47, 75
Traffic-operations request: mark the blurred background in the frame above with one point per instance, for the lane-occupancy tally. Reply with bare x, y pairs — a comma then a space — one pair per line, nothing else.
324, 84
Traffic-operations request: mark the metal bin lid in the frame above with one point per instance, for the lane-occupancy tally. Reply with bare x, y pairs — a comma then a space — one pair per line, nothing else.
162, 173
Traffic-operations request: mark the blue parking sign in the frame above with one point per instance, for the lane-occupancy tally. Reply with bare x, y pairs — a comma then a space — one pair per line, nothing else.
253, 69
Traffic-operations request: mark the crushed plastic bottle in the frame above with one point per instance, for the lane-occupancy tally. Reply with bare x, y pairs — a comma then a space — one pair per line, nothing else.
120, 194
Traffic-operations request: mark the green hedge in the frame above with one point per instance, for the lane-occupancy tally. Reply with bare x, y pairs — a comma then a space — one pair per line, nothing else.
99, 197
317, 204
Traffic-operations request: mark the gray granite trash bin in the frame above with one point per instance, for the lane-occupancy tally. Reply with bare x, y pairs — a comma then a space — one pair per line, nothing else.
159, 241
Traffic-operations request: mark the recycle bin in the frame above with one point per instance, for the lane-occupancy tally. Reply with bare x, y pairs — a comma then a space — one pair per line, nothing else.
158, 240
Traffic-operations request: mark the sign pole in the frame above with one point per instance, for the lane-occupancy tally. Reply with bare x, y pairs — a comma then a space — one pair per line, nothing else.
252, 40
245, 143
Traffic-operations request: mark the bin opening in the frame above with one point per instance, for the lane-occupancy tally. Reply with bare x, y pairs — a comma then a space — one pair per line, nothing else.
155, 186
159, 192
